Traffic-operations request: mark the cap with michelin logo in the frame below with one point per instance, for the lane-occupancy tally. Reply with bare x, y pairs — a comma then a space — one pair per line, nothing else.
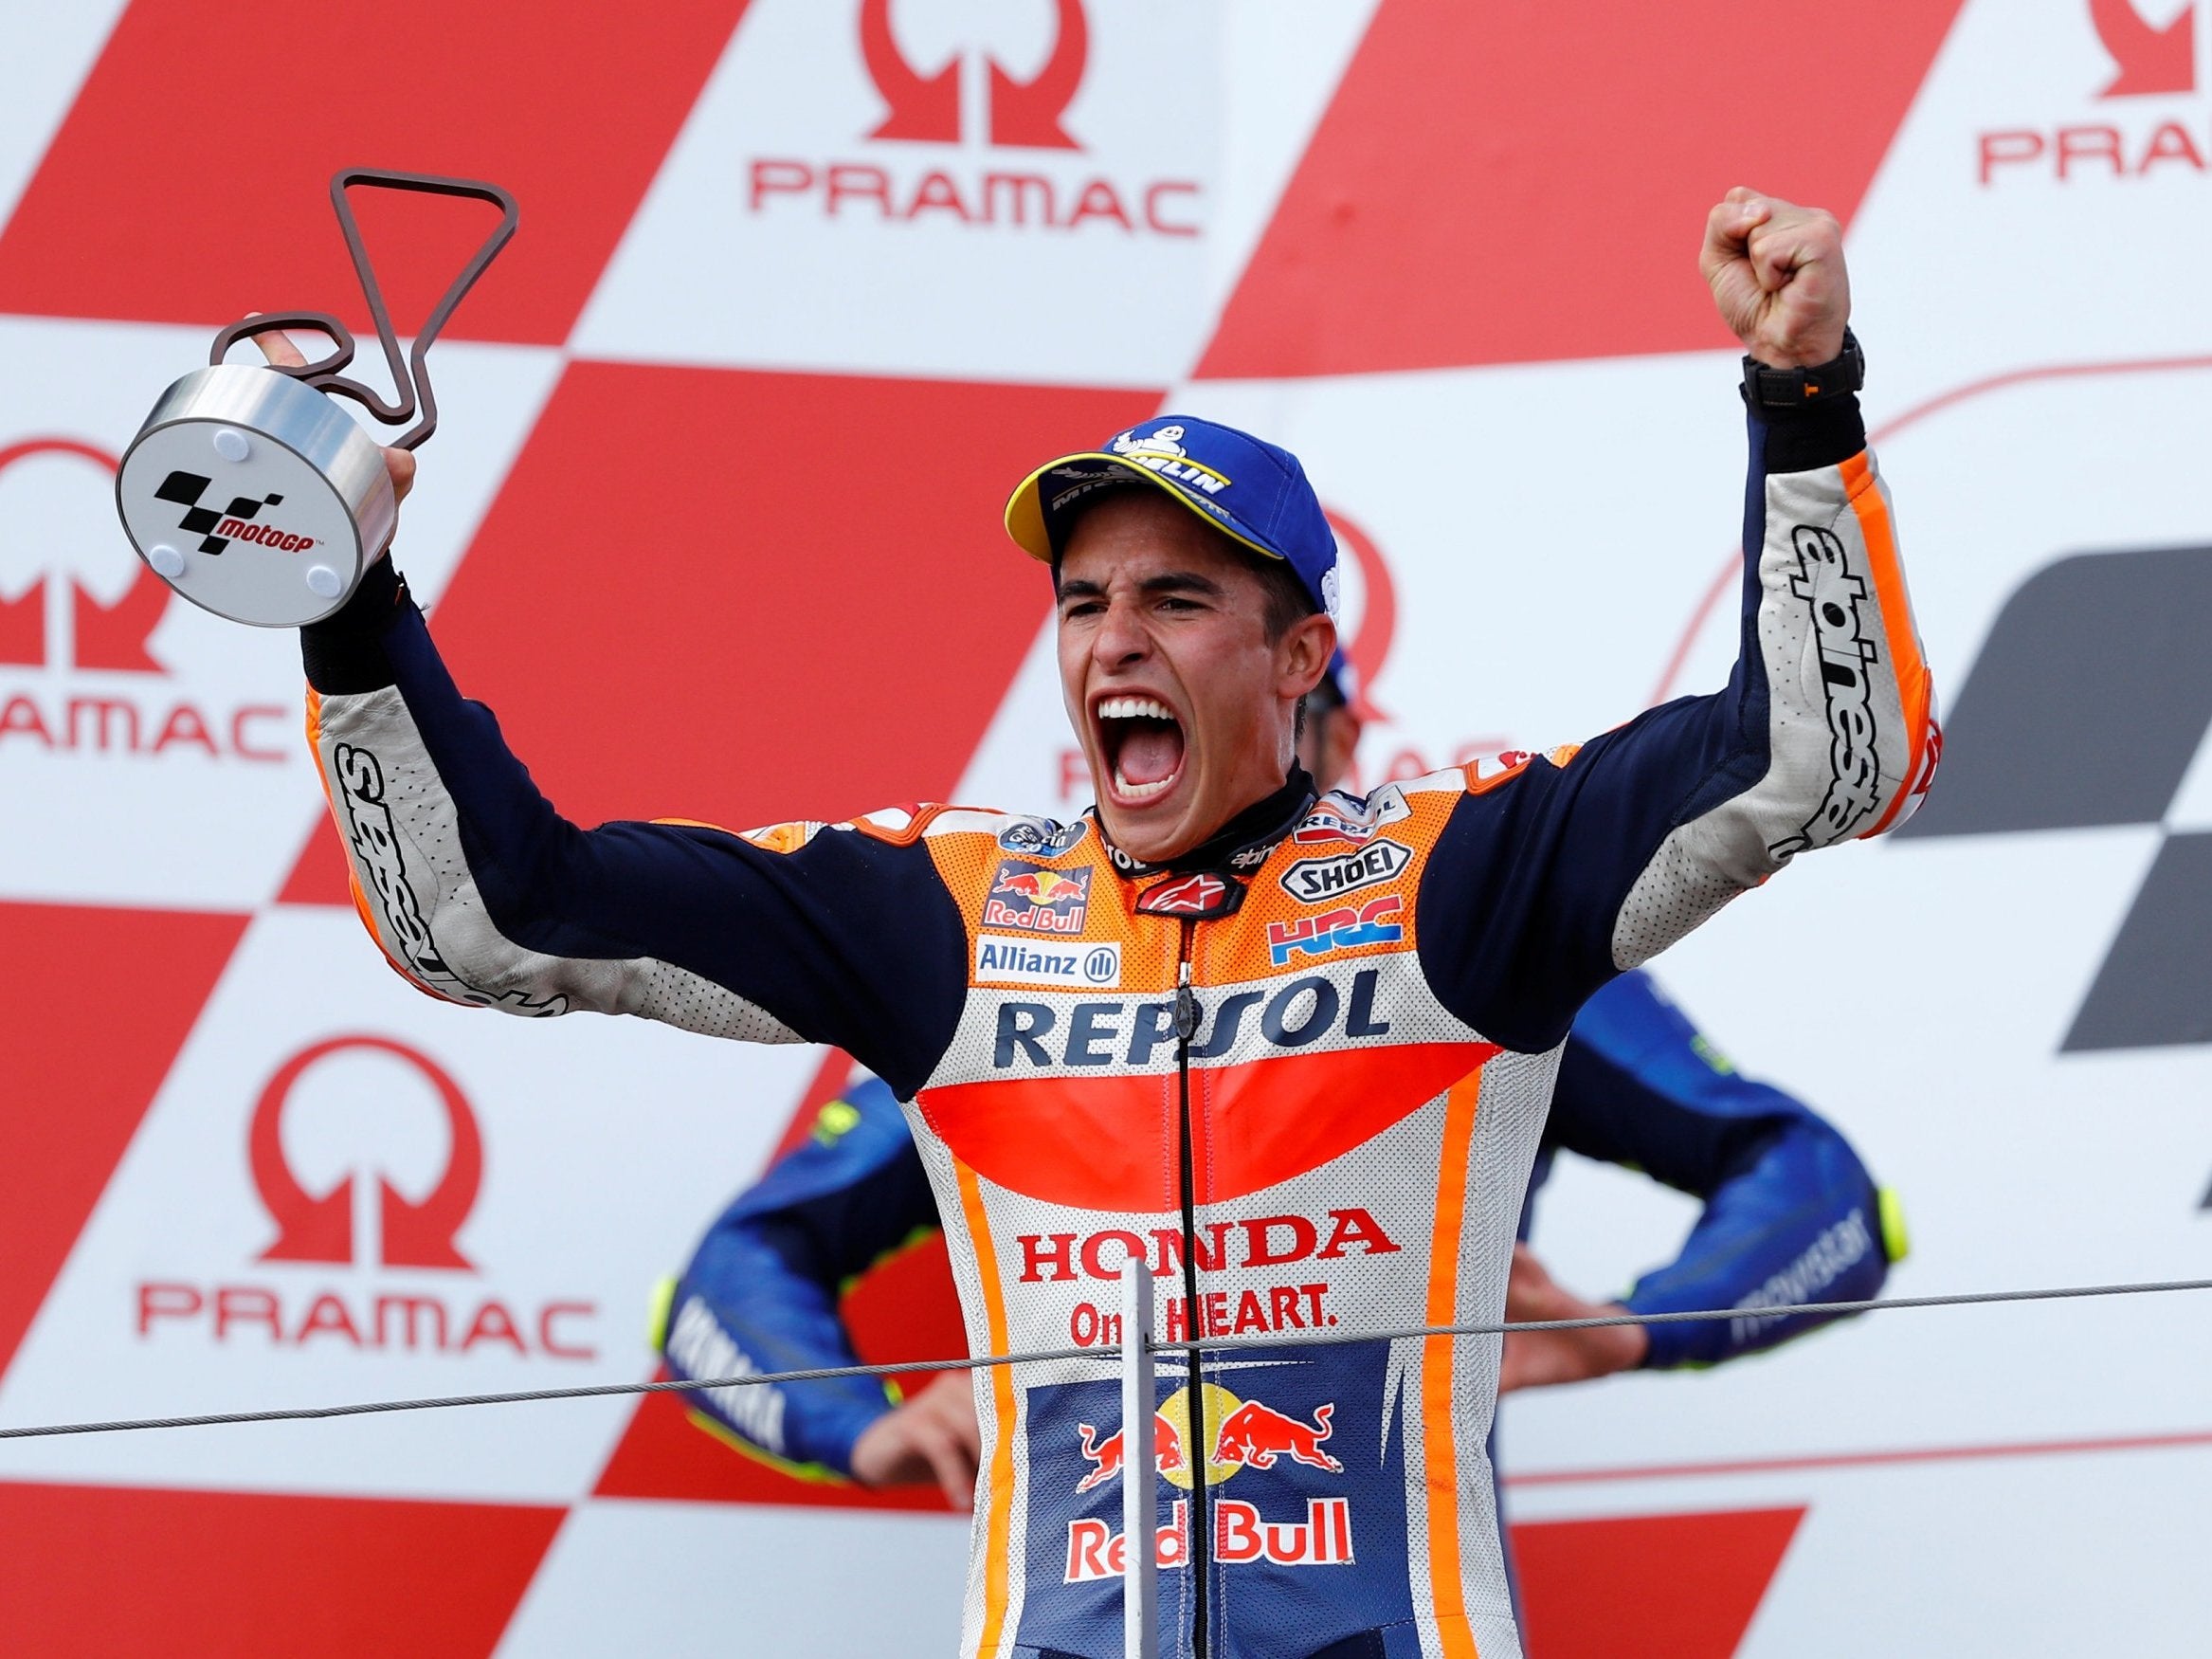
1243, 486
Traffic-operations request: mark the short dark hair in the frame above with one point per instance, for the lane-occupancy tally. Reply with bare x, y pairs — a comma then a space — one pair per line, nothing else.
1288, 603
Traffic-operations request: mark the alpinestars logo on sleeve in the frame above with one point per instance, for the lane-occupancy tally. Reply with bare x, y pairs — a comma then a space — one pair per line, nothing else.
1833, 591
235, 523
2087, 705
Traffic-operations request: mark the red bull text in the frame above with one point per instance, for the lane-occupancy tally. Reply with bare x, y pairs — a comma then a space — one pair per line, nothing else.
1040, 901
1323, 1538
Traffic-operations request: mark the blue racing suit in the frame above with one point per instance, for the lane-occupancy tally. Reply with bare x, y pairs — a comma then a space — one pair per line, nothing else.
1791, 1216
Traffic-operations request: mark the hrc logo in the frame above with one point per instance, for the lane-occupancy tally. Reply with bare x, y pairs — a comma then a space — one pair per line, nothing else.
1373, 923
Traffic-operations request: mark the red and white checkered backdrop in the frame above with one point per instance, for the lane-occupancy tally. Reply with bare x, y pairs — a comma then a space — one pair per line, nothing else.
802, 287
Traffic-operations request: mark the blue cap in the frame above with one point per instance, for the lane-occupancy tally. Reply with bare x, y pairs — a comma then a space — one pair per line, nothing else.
1246, 488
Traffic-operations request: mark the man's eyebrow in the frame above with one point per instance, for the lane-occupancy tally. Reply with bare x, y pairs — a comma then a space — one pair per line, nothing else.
1182, 582
1165, 582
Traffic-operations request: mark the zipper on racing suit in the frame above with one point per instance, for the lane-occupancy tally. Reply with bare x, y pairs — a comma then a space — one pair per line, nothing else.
1201, 1547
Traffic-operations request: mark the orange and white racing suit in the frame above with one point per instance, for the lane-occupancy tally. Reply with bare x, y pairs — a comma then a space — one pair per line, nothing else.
1302, 1071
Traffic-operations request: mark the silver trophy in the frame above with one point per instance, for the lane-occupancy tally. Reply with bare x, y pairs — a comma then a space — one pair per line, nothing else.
253, 494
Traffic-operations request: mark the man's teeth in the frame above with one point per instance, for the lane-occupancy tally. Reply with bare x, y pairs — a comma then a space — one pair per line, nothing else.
1132, 708
1137, 791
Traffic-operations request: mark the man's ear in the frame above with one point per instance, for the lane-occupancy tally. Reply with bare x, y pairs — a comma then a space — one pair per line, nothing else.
1307, 646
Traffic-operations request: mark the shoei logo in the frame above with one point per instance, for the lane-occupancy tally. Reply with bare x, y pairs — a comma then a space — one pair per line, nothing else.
1314, 879
338, 1228
2049, 736
2139, 129
1005, 156
85, 620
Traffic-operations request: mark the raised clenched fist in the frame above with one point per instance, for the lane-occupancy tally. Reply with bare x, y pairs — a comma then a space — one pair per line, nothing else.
1777, 275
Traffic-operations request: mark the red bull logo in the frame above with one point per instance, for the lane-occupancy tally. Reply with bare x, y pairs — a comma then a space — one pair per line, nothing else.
1043, 887
1040, 901
1322, 1538
1254, 1436
1105, 1455
1251, 1435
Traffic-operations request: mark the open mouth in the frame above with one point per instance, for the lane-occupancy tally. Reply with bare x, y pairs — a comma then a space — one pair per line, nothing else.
1142, 742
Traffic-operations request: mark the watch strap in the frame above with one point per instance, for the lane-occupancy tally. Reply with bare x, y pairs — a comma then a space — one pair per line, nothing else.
1769, 387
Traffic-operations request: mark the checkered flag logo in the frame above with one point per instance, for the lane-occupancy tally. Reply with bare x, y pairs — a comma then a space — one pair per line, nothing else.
185, 488
2087, 708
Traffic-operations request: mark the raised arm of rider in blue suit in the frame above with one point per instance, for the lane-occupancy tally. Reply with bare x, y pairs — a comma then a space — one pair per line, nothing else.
1792, 1214
761, 1292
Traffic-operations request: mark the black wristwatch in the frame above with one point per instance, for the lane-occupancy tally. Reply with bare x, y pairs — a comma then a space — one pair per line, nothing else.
1767, 388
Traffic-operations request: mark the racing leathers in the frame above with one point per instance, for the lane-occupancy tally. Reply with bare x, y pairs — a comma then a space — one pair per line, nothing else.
1791, 1215
1302, 1070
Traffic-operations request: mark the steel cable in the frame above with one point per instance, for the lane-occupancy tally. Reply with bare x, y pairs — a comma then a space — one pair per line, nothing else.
1101, 1351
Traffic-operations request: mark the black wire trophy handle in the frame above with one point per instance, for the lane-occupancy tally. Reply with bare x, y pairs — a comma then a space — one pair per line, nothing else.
249, 490
413, 378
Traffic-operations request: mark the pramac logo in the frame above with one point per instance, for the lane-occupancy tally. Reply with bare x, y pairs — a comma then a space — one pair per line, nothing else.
2150, 60
982, 150
64, 643
101, 636
320, 1228
2139, 119
364, 1308
1022, 113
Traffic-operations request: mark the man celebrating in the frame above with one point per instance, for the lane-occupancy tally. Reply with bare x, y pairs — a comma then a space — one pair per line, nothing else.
1296, 1056
1791, 1214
